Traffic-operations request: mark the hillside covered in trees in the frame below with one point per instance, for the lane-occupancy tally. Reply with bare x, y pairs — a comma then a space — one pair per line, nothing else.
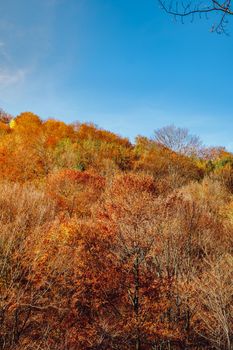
107, 244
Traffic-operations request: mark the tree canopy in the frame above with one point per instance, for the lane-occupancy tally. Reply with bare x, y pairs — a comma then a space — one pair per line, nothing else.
108, 244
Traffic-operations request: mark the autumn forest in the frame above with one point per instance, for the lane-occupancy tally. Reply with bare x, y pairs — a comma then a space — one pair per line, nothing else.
111, 244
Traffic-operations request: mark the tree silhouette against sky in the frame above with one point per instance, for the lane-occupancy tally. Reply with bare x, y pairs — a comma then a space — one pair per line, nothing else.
221, 10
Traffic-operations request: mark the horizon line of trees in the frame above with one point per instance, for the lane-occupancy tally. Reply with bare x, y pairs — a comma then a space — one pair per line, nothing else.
105, 244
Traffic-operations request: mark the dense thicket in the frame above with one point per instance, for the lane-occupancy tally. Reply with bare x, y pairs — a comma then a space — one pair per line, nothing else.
106, 244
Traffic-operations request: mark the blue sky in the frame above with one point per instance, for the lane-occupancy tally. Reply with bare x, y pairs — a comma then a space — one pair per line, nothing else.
122, 64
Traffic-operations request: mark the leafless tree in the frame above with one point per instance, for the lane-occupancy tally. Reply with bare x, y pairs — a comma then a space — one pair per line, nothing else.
178, 140
214, 292
202, 9
5, 117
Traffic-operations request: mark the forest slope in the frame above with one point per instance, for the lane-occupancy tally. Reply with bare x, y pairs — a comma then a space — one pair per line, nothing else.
106, 244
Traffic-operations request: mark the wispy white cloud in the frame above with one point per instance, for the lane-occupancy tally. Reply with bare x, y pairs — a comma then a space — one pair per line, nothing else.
10, 74
9, 77
4, 54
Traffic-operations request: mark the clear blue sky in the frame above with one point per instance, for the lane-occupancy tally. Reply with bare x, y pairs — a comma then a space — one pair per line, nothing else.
122, 64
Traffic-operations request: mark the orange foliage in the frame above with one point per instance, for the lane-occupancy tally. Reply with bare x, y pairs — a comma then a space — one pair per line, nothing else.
109, 245
75, 191
55, 131
90, 131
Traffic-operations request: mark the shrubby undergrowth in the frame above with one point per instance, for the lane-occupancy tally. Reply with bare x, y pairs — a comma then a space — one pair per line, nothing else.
105, 244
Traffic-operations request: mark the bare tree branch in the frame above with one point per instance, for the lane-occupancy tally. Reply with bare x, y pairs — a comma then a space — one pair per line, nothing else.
191, 9
178, 140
